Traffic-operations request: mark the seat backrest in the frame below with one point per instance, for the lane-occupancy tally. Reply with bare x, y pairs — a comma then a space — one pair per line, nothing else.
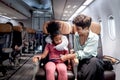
65, 27
31, 38
5, 35
96, 28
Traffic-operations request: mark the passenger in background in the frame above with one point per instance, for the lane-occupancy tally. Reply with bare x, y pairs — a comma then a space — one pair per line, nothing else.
17, 43
3, 56
85, 47
24, 35
55, 53
10, 24
13, 55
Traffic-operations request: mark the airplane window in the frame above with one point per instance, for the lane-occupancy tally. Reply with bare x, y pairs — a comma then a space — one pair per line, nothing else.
111, 27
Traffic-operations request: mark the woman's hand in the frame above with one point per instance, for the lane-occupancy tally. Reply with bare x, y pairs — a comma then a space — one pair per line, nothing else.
36, 58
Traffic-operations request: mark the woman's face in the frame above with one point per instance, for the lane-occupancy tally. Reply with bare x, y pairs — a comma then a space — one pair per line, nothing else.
57, 39
81, 31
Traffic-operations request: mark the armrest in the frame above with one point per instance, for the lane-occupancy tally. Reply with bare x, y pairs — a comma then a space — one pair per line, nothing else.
109, 62
111, 59
35, 69
75, 67
7, 50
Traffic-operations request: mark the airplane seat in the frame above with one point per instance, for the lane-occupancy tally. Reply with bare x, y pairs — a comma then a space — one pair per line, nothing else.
5, 43
31, 39
96, 28
108, 74
40, 72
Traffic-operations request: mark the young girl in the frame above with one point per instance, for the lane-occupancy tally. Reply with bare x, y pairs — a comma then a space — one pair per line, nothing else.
55, 62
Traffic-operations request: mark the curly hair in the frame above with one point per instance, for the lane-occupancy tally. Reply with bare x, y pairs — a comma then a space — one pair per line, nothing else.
82, 21
53, 28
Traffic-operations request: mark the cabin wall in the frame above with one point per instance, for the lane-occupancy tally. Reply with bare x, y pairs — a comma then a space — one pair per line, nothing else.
102, 9
37, 22
26, 22
4, 20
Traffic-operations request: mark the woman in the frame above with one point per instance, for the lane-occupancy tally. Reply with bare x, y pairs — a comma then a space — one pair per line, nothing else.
85, 49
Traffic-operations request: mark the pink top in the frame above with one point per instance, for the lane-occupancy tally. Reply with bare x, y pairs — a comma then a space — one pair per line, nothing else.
54, 55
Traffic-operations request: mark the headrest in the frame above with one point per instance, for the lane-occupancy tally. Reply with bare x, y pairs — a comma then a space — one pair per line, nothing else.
5, 28
65, 27
74, 29
95, 27
17, 28
30, 30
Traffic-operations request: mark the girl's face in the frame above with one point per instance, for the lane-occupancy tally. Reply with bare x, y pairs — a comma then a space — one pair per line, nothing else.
57, 39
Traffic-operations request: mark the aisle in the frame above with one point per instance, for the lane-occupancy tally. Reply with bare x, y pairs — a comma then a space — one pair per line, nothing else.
24, 73
12, 70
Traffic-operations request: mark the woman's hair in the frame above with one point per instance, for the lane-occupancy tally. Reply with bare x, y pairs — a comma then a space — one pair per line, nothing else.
53, 29
82, 21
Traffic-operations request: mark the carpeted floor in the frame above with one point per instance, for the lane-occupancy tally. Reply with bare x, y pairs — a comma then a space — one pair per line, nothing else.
11, 71
25, 72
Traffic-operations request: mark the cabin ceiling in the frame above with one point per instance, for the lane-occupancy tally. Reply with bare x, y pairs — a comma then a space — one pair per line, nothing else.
64, 9
58, 9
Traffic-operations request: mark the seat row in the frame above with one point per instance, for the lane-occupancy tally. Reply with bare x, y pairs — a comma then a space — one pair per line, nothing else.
10, 36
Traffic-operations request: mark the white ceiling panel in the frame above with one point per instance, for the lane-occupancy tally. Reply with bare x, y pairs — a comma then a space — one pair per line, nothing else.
58, 7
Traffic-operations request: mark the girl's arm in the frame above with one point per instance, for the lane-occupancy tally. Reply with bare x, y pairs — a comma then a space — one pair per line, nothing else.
40, 56
45, 53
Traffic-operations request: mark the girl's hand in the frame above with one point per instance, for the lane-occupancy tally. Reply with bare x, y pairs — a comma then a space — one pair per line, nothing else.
36, 58
63, 58
67, 57
72, 51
